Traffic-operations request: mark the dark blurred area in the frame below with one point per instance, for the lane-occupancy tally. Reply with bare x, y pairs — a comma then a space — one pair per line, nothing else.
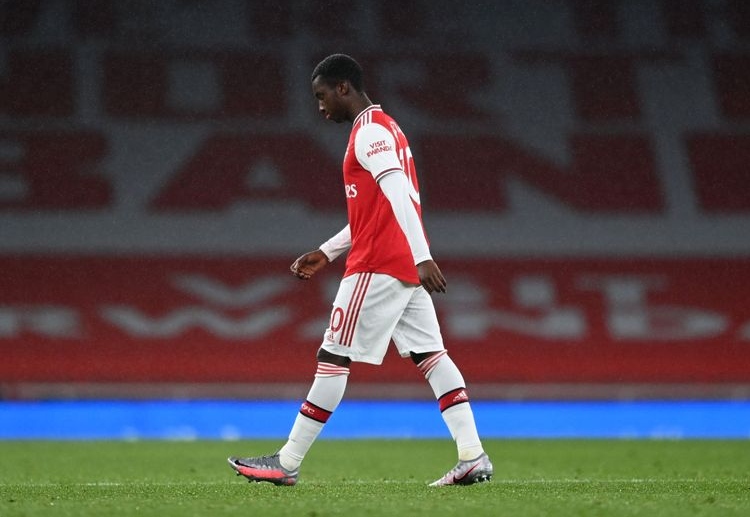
585, 175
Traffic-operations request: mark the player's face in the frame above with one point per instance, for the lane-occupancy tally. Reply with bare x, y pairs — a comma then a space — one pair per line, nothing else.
329, 100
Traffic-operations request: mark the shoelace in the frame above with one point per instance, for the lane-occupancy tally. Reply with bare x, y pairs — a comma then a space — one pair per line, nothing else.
264, 462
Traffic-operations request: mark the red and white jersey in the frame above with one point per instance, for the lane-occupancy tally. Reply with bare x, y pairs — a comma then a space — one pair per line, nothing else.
377, 147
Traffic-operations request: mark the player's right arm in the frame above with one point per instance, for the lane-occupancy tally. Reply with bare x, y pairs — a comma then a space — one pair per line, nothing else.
313, 261
337, 244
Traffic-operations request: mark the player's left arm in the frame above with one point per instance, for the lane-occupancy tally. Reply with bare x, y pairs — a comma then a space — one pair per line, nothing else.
395, 186
376, 151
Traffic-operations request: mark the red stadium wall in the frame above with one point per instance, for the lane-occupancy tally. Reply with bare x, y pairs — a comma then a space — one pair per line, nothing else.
583, 170
145, 319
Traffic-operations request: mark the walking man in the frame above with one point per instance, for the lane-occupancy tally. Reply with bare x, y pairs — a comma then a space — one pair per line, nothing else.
385, 291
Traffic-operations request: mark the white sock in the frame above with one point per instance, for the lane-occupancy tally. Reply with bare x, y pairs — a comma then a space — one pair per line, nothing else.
449, 388
322, 400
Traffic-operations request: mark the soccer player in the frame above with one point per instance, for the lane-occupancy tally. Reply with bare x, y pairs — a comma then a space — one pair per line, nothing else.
385, 291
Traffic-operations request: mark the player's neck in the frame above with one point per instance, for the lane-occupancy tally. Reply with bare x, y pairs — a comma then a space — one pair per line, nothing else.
361, 103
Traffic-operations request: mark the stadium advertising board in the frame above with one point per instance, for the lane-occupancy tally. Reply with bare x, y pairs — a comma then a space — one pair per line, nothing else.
151, 319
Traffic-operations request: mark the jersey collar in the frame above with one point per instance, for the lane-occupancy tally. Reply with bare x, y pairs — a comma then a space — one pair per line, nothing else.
371, 107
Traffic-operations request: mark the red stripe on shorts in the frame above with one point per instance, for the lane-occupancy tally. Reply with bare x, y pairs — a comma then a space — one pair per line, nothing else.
355, 305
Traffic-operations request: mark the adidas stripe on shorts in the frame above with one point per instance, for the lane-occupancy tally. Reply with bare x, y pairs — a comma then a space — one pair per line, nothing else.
372, 308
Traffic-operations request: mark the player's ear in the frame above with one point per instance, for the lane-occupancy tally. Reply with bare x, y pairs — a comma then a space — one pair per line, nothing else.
343, 87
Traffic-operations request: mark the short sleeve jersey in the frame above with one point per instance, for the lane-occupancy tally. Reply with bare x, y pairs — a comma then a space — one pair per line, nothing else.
378, 147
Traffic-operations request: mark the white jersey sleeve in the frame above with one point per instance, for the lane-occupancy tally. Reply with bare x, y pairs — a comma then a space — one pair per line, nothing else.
375, 148
337, 244
396, 189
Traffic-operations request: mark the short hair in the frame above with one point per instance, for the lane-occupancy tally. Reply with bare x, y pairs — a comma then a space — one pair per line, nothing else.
340, 67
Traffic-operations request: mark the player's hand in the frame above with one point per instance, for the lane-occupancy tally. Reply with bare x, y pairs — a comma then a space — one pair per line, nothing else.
309, 264
430, 277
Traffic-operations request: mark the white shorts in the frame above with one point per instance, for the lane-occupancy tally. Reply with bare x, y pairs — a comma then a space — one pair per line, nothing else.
370, 309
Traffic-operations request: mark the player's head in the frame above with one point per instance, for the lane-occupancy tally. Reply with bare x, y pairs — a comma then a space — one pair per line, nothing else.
338, 86
337, 68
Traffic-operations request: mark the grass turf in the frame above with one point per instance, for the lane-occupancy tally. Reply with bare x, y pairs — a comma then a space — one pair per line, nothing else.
377, 478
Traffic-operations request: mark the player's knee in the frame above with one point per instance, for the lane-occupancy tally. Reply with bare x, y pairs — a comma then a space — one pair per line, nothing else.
418, 358
428, 361
324, 356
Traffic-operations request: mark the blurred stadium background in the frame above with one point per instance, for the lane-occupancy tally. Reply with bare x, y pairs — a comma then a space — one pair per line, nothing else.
585, 171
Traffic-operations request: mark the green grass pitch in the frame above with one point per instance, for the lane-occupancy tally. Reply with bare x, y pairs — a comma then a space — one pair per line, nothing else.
377, 478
